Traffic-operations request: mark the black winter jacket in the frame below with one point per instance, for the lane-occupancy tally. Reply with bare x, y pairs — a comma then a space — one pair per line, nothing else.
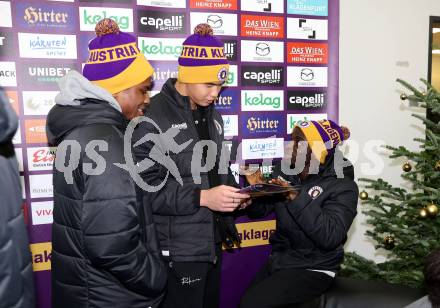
16, 283
312, 229
101, 254
185, 230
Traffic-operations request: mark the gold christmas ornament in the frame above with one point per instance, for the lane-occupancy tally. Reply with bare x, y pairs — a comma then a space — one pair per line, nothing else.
406, 167
389, 242
437, 166
363, 195
432, 210
403, 97
423, 213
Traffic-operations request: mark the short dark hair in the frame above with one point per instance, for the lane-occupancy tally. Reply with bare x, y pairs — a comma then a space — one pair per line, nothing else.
431, 272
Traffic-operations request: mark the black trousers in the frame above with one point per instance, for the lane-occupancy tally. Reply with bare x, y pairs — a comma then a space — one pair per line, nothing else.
193, 284
284, 288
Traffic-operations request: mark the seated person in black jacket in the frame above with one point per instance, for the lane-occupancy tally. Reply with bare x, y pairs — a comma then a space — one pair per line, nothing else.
312, 223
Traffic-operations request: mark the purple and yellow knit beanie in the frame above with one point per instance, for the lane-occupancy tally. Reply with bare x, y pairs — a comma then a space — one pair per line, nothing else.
323, 136
203, 58
115, 62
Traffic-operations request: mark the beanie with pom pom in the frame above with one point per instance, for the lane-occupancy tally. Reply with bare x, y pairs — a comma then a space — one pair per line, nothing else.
322, 136
202, 59
115, 62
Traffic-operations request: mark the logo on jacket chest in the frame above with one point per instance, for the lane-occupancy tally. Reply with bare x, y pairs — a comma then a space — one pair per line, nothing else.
180, 125
315, 192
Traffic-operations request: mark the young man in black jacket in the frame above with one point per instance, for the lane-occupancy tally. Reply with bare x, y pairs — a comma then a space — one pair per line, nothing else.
192, 206
103, 255
312, 223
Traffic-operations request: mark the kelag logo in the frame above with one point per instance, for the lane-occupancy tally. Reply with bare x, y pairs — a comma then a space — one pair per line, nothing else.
44, 74
257, 100
308, 7
6, 18
162, 72
222, 24
262, 26
167, 49
47, 46
8, 76
293, 119
307, 29
228, 100
163, 3
213, 4
262, 76
231, 81
298, 76
309, 53
38, 102
306, 100
265, 6
262, 51
262, 148
90, 16
230, 49
41, 159
43, 16
161, 22
230, 125
6, 44
254, 124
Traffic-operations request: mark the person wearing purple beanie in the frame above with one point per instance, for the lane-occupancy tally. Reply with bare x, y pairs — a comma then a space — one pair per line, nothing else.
192, 219
103, 249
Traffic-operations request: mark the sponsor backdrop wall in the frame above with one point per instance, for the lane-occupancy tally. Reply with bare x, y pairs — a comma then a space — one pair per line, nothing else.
284, 68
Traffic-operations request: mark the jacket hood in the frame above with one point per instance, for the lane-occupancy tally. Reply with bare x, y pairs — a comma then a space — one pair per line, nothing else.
81, 103
8, 119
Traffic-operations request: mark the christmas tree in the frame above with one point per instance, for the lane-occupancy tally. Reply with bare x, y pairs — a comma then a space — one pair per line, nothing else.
404, 222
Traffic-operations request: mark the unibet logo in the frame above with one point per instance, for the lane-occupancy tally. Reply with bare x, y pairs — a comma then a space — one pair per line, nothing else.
256, 123
260, 100
171, 24
33, 16
91, 19
273, 76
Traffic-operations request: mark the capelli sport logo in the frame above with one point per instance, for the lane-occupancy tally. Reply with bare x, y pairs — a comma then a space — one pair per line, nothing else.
262, 76
161, 22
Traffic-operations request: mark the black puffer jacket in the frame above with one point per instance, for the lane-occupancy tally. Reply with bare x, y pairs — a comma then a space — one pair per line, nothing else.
101, 254
312, 229
185, 230
16, 283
